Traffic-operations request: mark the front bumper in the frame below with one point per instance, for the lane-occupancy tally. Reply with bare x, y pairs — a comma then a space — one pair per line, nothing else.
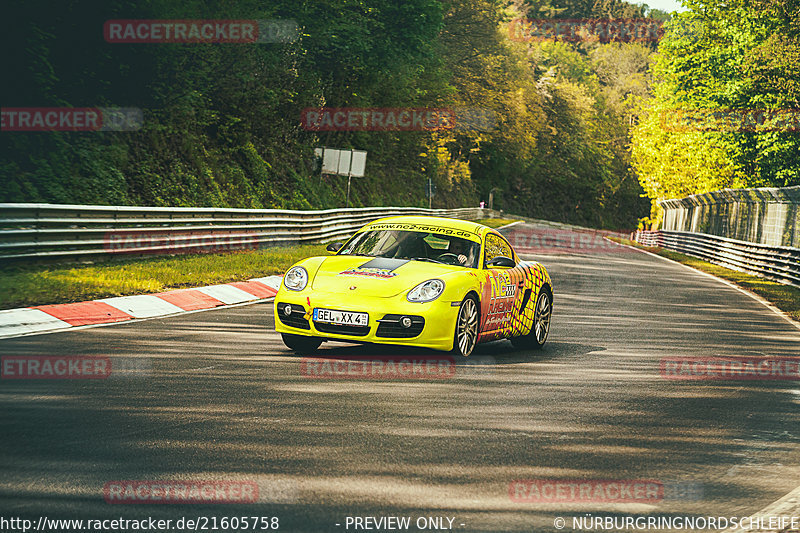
434, 321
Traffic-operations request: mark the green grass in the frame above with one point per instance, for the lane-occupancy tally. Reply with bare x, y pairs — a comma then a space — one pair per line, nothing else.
496, 222
784, 297
26, 285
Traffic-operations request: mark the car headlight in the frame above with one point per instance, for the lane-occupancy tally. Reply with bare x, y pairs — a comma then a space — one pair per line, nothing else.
296, 279
426, 291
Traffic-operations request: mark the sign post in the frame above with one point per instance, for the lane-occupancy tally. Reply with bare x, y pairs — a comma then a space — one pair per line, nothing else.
350, 163
430, 189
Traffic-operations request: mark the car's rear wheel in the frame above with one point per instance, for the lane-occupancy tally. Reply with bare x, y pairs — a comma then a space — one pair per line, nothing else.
541, 323
300, 343
466, 333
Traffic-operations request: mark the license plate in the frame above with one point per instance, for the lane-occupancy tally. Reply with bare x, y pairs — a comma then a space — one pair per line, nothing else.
344, 318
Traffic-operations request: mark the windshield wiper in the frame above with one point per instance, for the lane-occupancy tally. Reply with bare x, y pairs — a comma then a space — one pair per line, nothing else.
428, 259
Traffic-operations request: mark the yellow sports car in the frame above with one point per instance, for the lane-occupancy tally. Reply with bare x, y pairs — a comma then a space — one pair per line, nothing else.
432, 282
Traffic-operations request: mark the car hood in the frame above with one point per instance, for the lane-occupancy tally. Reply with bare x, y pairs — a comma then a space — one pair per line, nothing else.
374, 276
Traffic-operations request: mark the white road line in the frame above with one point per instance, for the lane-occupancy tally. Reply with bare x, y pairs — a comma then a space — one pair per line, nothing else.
752, 295
788, 506
509, 225
204, 368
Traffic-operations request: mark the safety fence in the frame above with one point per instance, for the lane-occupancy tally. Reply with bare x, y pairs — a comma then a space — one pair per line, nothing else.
778, 263
75, 232
768, 216
750, 230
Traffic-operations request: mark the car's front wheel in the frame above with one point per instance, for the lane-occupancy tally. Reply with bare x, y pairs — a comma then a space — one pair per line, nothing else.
466, 334
300, 343
541, 323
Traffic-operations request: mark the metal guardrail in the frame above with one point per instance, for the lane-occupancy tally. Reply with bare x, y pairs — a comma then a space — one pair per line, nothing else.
778, 263
53, 231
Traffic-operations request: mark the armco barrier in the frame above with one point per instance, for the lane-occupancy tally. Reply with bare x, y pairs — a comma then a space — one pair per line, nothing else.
53, 231
778, 263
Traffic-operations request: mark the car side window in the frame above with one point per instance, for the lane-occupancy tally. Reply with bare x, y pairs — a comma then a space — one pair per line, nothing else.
495, 247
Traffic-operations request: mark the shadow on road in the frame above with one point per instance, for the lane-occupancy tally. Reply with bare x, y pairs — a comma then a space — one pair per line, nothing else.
499, 352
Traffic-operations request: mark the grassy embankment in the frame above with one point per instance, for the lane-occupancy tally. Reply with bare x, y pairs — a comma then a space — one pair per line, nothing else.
26, 285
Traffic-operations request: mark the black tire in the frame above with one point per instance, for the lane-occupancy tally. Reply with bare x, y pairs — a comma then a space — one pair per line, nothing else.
300, 343
465, 336
541, 323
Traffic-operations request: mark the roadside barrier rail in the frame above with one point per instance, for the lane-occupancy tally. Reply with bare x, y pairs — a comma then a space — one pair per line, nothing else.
75, 232
778, 263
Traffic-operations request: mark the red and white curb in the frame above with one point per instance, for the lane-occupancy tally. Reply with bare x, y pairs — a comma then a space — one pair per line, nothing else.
49, 318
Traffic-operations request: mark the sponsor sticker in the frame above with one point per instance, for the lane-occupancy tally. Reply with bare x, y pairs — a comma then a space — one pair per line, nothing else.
424, 229
369, 272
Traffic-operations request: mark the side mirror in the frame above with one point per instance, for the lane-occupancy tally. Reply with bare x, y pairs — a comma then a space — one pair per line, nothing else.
334, 247
501, 261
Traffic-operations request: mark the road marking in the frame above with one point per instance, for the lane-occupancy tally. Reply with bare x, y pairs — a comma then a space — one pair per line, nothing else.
27, 320
46, 319
142, 305
227, 293
135, 320
204, 368
752, 295
788, 506
511, 224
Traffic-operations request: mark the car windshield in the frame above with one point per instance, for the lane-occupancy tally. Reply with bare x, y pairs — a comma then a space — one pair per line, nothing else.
416, 246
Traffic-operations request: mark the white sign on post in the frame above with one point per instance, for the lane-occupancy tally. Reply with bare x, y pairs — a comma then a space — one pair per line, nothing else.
330, 161
358, 163
344, 162
345, 157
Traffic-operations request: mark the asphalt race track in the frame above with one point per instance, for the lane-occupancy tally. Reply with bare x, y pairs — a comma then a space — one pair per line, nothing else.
216, 396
